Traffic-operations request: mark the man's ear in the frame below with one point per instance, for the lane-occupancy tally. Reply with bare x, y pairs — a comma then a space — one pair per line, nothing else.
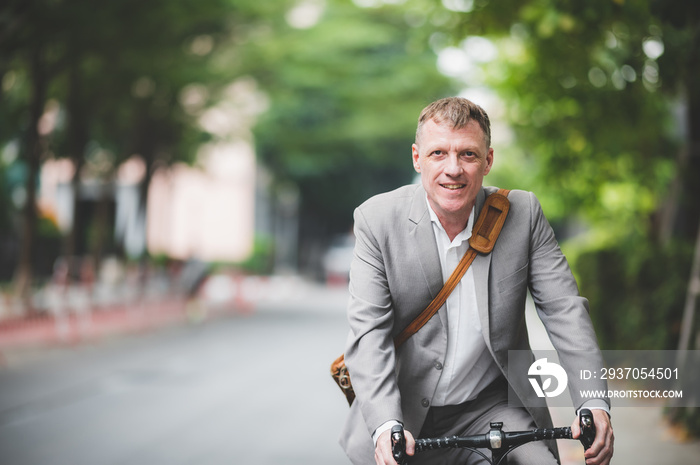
489, 161
416, 158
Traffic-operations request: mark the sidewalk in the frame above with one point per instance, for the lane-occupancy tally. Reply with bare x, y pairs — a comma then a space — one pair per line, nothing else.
71, 321
71, 315
76, 327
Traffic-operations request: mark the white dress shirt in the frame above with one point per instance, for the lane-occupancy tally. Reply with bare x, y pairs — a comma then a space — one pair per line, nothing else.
468, 366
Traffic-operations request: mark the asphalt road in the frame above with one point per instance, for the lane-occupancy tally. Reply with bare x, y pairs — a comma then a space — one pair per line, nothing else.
247, 389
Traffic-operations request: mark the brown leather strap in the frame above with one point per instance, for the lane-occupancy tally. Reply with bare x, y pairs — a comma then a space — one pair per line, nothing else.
484, 234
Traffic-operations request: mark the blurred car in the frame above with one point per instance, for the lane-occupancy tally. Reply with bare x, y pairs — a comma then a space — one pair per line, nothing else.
337, 259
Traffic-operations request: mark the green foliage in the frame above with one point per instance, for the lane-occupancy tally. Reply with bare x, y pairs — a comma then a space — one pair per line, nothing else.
261, 259
636, 291
160, 260
345, 95
118, 70
47, 228
590, 124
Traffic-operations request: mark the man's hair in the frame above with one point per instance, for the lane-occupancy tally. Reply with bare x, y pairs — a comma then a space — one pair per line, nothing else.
457, 111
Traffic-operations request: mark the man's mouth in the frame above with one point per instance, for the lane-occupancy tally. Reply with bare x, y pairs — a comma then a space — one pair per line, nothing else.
453, 187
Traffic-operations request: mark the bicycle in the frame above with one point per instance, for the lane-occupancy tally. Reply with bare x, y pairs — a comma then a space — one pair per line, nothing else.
499, 442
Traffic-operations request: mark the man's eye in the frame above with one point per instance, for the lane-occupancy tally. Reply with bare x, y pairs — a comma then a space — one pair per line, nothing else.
437, 152
470, 154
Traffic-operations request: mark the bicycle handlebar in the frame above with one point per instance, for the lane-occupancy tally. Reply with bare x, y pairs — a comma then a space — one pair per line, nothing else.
496, 439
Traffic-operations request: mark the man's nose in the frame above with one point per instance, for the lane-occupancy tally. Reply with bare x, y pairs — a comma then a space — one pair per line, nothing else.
453, 166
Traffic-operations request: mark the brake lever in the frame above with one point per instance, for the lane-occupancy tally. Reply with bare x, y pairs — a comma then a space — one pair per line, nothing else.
398, 444
587, 428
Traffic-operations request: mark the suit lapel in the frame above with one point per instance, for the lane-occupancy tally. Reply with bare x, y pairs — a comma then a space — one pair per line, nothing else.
422, 231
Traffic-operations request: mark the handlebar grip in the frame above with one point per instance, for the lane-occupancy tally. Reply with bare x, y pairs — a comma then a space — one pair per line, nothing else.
453, 442
443, 443
561, 433
587, 428
398, 444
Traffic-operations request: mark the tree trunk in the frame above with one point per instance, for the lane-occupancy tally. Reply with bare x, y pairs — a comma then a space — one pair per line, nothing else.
33, 150
77, 142
146, 146
686, 361
689, 336
101, 223
680, 213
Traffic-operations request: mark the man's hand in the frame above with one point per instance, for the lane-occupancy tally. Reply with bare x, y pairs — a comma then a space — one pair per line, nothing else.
601, 450
383, 454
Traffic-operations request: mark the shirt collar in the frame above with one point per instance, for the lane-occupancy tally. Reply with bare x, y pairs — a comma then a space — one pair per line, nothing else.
462, 236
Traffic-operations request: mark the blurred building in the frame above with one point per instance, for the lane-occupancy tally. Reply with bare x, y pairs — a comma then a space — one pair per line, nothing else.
205, 211
212, 211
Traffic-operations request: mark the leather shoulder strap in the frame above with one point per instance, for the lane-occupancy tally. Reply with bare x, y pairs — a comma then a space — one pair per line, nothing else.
484, 234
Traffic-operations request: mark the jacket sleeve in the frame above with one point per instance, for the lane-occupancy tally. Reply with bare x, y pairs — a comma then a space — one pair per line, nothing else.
369, 354
560, 307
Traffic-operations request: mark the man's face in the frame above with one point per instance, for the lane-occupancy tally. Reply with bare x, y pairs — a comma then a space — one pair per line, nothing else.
452, 164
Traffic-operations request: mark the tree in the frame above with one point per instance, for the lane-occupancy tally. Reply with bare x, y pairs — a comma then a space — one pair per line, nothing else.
345, 93
117, 73
25, 44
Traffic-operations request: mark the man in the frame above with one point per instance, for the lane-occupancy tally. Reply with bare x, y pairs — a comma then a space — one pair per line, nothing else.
451, 376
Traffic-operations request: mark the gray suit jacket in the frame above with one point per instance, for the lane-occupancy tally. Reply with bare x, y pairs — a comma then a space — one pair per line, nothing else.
395, 274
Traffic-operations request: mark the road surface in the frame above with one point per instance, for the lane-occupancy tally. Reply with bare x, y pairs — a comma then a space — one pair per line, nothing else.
243, 389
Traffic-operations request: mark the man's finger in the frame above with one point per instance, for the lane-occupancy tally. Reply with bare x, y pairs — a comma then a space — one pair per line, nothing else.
382, 452
575, 428
410, 443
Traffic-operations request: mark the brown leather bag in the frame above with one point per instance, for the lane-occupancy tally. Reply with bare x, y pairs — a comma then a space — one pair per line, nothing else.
488, 226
